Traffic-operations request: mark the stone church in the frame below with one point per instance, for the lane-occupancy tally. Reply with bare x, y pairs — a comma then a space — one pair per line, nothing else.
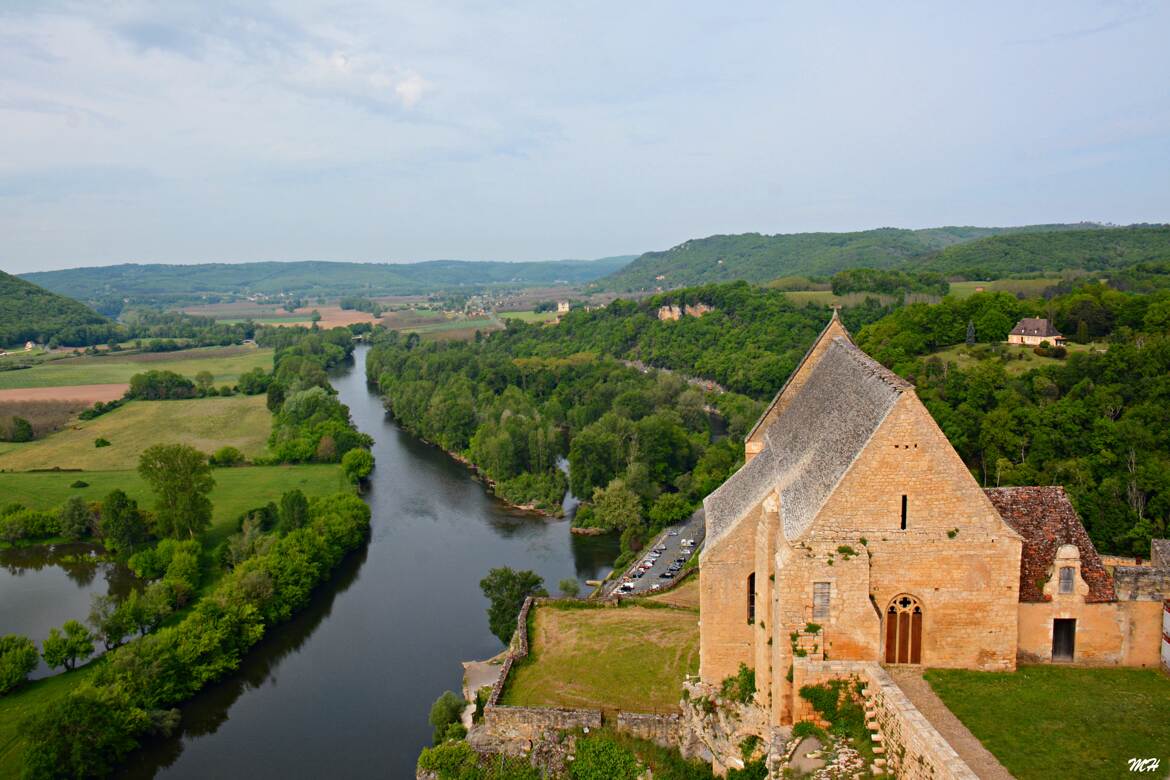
854, 532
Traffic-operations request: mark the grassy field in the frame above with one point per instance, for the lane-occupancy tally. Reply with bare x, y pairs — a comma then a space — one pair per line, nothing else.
685, 595
224, 363
236, 489
1019, 358
1029, 287
629, 658
203, 423
529, 316
1054, 721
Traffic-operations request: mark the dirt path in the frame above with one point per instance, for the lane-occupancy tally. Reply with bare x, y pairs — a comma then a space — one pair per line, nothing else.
969, 748
87, 393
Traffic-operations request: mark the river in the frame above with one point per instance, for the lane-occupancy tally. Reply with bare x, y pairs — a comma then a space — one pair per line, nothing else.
343, 690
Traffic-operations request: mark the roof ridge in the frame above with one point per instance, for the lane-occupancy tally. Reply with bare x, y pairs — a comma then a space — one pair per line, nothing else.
875, 368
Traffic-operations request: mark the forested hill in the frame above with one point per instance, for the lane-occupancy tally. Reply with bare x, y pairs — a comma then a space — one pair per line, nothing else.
29, 312
315, 277
760, 258
1019, 253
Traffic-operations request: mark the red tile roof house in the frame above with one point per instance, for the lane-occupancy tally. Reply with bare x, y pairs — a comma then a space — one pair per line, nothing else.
1032, 331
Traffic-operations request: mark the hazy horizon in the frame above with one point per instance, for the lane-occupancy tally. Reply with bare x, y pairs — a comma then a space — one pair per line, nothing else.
367, 133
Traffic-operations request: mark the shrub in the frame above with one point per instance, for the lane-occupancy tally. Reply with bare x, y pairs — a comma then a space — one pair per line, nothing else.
450, 761
23, 524
741, 686
601, 758
806, 728
227, 456
357, 464
445, 712
100, 442
835, 702
569, 587
77, 484
18, 657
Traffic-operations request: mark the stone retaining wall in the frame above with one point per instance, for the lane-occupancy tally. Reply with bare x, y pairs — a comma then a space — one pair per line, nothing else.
664, 730
905, 740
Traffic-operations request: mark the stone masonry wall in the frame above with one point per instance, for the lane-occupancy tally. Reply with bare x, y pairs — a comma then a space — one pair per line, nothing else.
904, 739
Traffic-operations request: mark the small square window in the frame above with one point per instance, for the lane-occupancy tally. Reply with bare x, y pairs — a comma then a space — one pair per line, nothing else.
1066, 579
821, 600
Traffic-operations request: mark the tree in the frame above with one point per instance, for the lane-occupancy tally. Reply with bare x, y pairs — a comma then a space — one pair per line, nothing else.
670, 508
970, 333
181, 479
122, 525
569, 587
110, 620
357, 464
16, 429
616, 506
226, 456
66, 649
446, 710
18, 657
294, 511
146, 610
74, 518
507, 589
204, 380
83, 734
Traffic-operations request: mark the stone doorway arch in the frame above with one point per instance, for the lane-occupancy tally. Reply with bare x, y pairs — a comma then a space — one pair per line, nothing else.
904, 630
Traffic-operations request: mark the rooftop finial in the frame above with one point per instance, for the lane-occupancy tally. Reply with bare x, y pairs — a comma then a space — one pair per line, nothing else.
836, 307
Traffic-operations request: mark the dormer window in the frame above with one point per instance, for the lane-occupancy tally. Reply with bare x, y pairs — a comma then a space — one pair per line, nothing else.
1067, 573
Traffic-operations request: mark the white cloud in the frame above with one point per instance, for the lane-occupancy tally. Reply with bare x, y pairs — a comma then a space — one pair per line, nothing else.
410, 88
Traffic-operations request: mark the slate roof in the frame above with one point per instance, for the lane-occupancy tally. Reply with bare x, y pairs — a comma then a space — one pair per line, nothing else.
809, 448
1046, 519
1035, 326
776, 398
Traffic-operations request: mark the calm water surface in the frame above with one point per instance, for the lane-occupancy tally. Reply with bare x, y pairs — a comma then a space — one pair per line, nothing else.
42, 587
344, 689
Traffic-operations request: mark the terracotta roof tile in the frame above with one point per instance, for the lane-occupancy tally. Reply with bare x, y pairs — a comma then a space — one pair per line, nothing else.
1046, 519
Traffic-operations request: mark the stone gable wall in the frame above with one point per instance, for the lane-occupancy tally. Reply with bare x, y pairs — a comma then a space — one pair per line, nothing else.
956, 555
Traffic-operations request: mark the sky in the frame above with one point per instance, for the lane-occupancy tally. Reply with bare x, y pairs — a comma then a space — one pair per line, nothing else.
397, 131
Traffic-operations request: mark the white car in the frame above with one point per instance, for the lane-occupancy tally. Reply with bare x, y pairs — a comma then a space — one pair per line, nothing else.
655, 586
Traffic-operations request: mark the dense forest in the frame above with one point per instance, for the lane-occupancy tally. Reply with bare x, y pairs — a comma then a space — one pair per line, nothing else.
1097, 421
32, 313
1028, 253
760, 258
748, 343
193, 283
639, 445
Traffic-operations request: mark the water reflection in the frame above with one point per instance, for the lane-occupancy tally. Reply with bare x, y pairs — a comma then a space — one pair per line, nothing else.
42, 587
344, 689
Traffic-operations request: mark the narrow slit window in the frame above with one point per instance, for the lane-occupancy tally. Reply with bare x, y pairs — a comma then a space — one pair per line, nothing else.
821, 593
1066, 579
903, 511
751, 598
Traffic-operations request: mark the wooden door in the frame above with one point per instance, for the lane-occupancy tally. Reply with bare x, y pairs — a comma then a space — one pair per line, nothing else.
904, 631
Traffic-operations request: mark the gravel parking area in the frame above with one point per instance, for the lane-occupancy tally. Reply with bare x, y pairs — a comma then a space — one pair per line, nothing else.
670, 548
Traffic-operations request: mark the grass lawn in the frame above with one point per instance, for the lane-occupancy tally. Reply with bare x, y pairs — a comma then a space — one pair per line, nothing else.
1022, 358
529, 316
1030, 287
628, 658
1054, 721
16, 706
203, 423
224, 363
236, 489
685, 595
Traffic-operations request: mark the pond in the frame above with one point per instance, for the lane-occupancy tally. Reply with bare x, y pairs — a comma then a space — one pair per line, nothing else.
344, 689
42, 587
